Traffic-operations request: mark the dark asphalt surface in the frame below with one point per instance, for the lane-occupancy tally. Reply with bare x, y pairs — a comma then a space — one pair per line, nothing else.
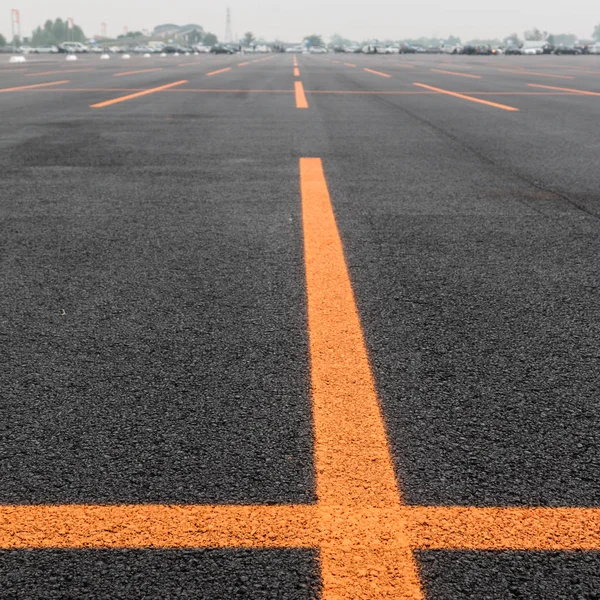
153, 317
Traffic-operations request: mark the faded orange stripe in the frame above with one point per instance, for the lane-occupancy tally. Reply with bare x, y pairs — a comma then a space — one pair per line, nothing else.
217, 72
366, 557
296, 72
136, 72
33, 86
562, 89
376, 72
470, 98
137, 94
536, 74
456, 73
301, 101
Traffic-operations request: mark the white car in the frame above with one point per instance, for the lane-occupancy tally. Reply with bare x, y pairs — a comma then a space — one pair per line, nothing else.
532, 51
317, 50
202, 49
295, 50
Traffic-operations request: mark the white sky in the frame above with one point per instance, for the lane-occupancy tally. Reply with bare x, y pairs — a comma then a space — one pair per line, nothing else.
291, 20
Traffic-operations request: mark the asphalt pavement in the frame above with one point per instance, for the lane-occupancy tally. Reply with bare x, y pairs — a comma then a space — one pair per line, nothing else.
157, 336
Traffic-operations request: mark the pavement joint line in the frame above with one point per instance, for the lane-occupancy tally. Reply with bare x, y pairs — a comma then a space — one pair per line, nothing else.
456, 73
537, 74
137, 94
32, 86
136, 72
570, 90
364, 533
376, 72
219, 71
301, 101
470, 98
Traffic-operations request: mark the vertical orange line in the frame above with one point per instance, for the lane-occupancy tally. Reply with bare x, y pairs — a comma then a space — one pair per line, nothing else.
296, 72
365, 550
301, 101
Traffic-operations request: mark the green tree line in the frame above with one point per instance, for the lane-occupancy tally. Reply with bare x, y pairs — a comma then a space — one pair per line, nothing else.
56, 32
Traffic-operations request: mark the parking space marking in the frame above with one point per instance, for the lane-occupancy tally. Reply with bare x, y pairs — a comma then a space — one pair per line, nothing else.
349, 65
31, 87
136, 72
58, 72
356, 484
376, 72
296, 72
470, 98
219, 71
137, 94
536, 74
244, 64
456, 73
570, 90
301, 101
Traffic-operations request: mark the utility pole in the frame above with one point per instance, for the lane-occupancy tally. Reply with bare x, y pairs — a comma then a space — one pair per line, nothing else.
103, 30
228, 32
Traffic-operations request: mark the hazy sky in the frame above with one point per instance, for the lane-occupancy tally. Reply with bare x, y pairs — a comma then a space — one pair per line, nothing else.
291, 20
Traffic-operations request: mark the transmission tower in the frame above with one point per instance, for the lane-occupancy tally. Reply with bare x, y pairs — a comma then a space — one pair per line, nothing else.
228, 33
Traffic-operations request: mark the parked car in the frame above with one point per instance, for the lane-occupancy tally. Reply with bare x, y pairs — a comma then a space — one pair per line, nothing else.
202, 49
10, 50
72, 48
317, 50
295, 50
222, 49
513, 50
45, 50
567, 50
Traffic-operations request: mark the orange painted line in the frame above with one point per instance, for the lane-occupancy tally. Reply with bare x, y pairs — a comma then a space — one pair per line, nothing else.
296, 72
456, 73
137, 94
470, 98
295, 61
31, 87
349, 65
136, 72
243, 64
58, 72
217, 72
367, 556
570, 90
536, 74
301, 101
376, 72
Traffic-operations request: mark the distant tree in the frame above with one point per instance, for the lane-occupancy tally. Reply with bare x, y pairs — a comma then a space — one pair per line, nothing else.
452, 40
337, 40
567, 39
314, 40
535, 35
512, 39
2, 41
195, 36
249, 38
16, 41
56, 32
596, 34
487, 42
210, 39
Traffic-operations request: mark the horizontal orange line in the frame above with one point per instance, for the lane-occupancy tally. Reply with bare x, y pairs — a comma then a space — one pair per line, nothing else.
217, 72
349, 65
136, 72
292, 526
31, 87
59, 72
549, 87
137, 94
243, 64
455, 73
470, 98
519, 72
377, 72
